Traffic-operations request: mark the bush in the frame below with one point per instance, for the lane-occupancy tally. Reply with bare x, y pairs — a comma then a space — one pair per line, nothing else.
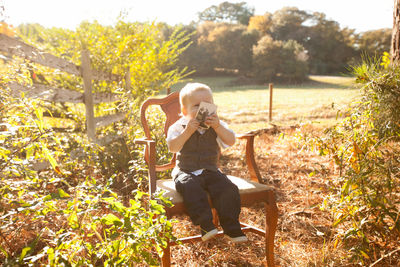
72, 211
67, 214
365, 199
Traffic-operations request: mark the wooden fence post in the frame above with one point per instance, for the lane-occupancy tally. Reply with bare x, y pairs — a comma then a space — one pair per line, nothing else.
128, 79
88, 97
271, 86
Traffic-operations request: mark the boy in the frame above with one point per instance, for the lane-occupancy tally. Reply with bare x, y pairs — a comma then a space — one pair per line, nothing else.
196, 174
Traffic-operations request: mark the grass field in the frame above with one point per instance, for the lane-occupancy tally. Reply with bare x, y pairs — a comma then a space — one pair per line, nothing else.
246, 107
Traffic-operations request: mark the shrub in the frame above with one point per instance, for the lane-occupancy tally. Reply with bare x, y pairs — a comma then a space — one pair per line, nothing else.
365, 199
70, 212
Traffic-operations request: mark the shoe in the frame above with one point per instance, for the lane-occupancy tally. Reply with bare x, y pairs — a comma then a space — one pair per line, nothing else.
237, 236
208, 235
239, 239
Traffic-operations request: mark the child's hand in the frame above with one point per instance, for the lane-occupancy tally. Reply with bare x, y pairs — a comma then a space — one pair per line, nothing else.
213, 121
192, 125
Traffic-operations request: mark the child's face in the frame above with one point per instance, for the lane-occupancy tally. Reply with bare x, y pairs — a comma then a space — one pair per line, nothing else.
189, 110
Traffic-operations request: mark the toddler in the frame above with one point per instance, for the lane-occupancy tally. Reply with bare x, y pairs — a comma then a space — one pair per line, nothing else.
196, 174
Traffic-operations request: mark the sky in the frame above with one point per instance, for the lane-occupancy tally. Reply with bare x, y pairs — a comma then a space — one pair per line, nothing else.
361, 15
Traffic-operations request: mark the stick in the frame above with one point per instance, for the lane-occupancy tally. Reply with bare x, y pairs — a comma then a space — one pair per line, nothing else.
384, 256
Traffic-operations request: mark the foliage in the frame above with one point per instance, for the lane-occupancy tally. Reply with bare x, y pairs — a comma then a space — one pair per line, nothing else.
274, 60
382, 89
365, 199
63, 200
137, 48
328, 48
228, 12
224, 39
289, 23
374, 42
261, 23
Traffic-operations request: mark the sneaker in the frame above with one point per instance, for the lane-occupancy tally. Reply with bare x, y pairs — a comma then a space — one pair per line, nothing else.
208, 235
239, 239
237, 236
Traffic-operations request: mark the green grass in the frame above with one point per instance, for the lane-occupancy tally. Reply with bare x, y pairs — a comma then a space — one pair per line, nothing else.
246, 107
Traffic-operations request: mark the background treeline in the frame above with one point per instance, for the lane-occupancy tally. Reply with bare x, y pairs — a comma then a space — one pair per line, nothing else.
285, 45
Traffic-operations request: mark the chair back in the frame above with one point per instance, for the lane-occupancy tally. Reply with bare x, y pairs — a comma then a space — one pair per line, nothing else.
171, 107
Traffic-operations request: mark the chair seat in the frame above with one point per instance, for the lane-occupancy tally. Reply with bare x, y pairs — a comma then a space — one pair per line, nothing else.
245, 187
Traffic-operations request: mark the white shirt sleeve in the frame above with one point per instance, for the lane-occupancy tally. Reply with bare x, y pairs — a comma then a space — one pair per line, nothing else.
219, 141
175, 129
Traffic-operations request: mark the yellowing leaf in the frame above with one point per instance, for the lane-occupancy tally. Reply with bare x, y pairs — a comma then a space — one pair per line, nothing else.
24, 252
49, 157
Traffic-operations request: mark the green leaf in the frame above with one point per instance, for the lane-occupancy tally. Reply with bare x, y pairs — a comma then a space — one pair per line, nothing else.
62, 193
39, 121
73, 220
48, 197
110, 219
25, 250
157, 207
3, 251
49, 157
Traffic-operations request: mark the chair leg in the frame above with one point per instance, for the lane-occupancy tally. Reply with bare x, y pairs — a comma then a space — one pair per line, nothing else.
166, 258
271, 211
215, 217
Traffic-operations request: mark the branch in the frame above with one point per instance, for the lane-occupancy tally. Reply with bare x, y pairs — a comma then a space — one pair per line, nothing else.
384, 256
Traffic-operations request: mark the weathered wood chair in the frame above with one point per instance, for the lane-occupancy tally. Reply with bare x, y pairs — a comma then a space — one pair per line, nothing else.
251, 191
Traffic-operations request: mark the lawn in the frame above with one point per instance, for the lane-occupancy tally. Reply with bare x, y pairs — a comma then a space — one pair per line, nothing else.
246, 107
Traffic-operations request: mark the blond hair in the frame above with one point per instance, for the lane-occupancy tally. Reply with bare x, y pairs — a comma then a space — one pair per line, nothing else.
189, 89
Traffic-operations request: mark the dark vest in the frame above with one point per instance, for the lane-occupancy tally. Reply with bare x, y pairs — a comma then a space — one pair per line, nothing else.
200, 151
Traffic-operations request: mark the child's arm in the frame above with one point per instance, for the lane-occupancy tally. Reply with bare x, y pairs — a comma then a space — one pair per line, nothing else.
176, 144
226, 136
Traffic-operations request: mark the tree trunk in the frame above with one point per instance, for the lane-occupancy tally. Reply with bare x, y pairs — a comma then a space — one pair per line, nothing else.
395, 47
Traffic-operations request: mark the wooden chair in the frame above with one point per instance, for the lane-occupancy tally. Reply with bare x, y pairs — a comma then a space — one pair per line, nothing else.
251, 191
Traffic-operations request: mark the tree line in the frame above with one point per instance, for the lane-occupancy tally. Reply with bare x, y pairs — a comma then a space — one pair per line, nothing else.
285, 45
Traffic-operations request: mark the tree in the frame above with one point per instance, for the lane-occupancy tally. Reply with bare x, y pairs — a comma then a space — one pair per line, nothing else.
374, 42
261, 23
197, 57
228, 12
395, 46
289, 23
274, 59
231, 46
329, 47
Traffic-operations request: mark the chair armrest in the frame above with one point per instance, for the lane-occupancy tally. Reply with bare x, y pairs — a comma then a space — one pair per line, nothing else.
143, 141
250, 160
150, 157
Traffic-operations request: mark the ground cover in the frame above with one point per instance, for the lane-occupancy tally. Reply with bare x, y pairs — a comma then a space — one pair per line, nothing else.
300, 177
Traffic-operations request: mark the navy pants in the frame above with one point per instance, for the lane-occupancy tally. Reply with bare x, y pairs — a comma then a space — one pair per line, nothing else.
224, 197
